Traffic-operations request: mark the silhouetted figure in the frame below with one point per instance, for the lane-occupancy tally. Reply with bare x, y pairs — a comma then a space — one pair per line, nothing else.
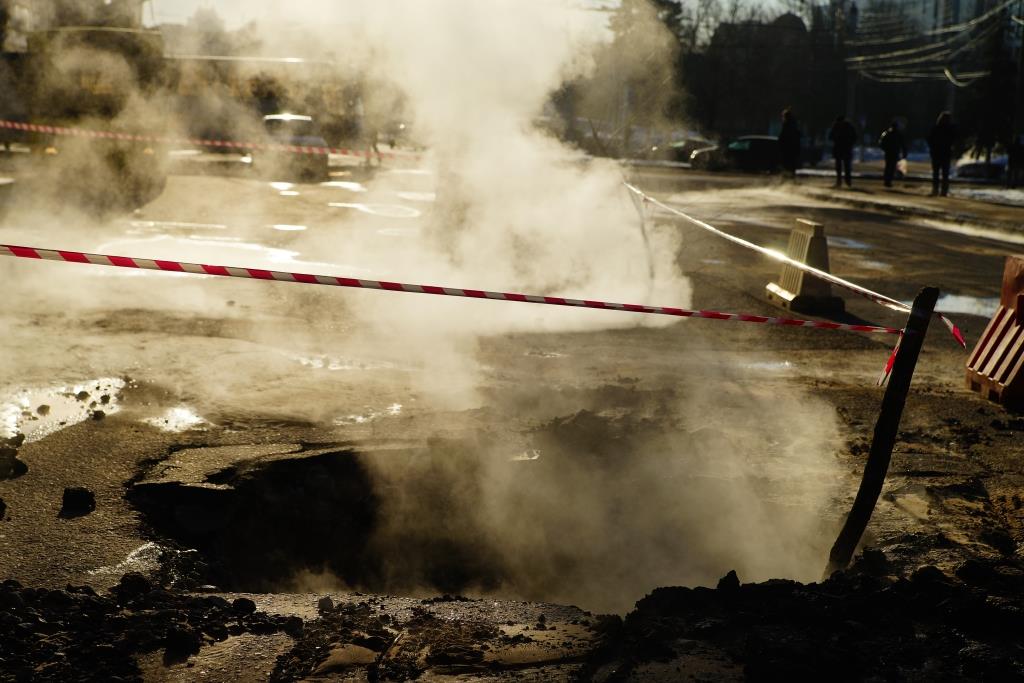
789, 143
940, 146
843, 136
895, 148
1015, 162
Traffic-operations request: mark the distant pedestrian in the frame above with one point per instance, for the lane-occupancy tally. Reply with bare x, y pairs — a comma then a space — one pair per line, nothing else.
1015, 162
789, 143
940, 146
895, 148
843, 136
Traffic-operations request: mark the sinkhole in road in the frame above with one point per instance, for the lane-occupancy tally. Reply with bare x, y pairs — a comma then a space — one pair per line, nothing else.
590, 509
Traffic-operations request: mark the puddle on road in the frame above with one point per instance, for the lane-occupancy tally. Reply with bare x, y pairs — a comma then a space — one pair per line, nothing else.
956, 303
409, 171
285, 189
847, 243
538, 353
284, 227
335, 364
393, 410
227, 251
875, 265
160, 226
39, 412
418, 196
384, 210
221, 251
769, 366
713, 261
970, 305
345, 185
526, 456
177, 420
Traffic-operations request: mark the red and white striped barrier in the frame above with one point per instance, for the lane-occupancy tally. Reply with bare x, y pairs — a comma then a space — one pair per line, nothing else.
880, 299
333, 281
197, 142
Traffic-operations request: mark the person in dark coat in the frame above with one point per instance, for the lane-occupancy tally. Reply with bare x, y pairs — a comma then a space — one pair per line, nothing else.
1015, 162
895, 148
940, 146
789, 143
843, 136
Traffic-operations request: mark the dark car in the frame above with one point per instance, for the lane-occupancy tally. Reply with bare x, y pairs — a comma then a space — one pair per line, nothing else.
293, 130
979, 169
680, 150
751, 153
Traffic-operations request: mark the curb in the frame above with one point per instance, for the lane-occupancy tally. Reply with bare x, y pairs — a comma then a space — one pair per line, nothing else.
1010, 226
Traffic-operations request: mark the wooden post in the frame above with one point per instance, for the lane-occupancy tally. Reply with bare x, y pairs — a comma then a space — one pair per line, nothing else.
885, 431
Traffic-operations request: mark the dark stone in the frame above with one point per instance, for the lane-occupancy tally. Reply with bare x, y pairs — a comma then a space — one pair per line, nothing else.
218, 632
243, 606
294, 627
3, 508
57, 600
10, 466
324, 604
181, 642
78, 501
9, 599
133, 585
874, 562
730, 582
375, 643
261, 625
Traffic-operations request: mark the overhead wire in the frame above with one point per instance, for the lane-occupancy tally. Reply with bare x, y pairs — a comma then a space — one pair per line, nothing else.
932, 61
963, 30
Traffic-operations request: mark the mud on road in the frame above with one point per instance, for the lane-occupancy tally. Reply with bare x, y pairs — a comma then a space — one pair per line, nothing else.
591, 467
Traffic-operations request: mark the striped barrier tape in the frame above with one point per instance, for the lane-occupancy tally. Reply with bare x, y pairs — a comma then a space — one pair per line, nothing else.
196, 142
880, 299
333, 281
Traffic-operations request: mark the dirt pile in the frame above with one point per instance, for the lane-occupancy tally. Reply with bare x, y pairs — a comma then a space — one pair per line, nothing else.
858, 625
76, 634
382, 639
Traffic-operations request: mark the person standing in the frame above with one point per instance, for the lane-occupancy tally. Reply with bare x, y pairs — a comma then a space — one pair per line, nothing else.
895, 148
843, 136
940, 146
1015, 162
789, 143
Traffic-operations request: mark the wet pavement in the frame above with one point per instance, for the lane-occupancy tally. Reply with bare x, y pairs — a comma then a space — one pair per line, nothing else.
189, 404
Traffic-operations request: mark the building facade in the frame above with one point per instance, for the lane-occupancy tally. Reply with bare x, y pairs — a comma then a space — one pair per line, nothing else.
18, 18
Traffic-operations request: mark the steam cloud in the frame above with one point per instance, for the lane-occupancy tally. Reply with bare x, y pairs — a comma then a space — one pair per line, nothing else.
660, 486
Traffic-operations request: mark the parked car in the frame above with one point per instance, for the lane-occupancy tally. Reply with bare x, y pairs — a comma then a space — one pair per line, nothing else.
750, 153
978, 169
680, 150
295, 130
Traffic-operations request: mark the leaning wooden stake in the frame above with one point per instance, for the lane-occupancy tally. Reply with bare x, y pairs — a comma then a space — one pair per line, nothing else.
885, 431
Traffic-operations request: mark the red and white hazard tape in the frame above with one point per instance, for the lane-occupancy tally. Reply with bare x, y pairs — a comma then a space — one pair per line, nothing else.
198, 142
880, 299
330, 280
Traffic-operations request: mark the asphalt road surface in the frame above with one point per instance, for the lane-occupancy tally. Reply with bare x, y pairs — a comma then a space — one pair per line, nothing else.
280, 442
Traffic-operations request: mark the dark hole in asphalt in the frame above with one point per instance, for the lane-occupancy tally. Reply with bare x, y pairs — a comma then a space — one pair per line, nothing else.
262, 523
